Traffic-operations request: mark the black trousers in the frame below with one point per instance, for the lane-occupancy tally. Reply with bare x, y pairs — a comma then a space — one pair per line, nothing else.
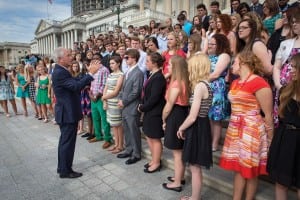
66, 147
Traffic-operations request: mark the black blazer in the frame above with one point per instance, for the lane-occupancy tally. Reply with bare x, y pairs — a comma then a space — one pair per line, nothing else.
205, 23
67, 93
154, 89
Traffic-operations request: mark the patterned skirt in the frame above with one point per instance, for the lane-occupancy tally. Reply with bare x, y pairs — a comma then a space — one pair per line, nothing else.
246, 146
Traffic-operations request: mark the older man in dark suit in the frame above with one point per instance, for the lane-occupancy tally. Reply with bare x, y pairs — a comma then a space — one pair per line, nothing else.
67, 108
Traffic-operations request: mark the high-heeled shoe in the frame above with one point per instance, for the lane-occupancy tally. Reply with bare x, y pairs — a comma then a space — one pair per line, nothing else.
146, 170
147, 165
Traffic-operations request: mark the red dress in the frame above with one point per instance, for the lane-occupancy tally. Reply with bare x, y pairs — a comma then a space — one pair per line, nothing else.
246, 146
167, 57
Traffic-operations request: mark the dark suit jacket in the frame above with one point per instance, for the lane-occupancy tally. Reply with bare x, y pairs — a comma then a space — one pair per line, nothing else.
105, 60
67, 92
153, 101
258, 9
205, 23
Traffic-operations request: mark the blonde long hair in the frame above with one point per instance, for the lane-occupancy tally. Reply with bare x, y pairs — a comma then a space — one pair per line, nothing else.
199, 69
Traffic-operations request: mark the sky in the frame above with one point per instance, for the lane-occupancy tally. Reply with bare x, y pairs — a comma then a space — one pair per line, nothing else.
20, 18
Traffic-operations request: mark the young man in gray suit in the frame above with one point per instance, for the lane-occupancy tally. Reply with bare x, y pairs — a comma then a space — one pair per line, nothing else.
129, 101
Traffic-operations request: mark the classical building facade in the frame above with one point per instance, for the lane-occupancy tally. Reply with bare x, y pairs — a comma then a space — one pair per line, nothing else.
11, 53
91, 17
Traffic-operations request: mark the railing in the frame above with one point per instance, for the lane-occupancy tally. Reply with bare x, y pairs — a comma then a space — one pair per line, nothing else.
146, 14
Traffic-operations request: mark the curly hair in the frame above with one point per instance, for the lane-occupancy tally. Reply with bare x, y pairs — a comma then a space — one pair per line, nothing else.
226, 23
252, 61
223, 45
176, 39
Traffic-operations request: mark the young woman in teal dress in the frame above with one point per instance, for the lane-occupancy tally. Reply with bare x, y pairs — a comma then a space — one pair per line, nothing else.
7, 91
219, 55
23, 87
43, 91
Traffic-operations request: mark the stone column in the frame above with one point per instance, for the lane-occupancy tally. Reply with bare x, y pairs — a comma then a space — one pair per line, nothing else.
153, 4
65, 39
51, 44
186, 7
76, 35
72, 38
142, 5
38, 46
168, 7
43, 45
54, 42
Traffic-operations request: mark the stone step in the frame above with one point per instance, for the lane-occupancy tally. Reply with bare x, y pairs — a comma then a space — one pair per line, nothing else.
219, 179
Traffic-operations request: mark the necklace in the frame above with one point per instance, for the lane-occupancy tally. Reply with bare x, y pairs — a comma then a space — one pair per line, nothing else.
238, 86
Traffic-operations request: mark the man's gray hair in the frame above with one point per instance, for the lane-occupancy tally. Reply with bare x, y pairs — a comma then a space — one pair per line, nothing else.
58, 53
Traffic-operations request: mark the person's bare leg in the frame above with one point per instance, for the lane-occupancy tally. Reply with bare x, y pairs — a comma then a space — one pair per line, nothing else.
216, 129
5, 107
251, 187
44, 111
196, 181
156, 153
239, 186
23, 100
149, 142
281, 192
121, 137
33, 105
178, 169
14, 106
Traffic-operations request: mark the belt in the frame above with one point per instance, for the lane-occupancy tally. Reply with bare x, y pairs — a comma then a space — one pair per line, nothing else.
291, 127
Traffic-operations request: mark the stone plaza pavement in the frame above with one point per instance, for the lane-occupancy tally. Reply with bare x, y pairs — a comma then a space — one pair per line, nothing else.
28, 159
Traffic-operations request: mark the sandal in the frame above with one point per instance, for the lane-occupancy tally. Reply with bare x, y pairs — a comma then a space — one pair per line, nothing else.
79, 132
185, 198
112, 148
117, 150
46, 120
7, 115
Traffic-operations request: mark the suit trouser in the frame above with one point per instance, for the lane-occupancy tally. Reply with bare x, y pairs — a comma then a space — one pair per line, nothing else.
66, 147
101, 126
132, 134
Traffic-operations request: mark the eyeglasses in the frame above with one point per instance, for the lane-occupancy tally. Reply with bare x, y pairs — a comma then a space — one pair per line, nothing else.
126, 57
212, 44
241, 28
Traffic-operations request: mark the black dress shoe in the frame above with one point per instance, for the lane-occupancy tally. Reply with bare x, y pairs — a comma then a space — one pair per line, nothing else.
176, 189
146, 170
146, 165
132, 160
170, 178
90, 137
86, 135
71, 175
123, 155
